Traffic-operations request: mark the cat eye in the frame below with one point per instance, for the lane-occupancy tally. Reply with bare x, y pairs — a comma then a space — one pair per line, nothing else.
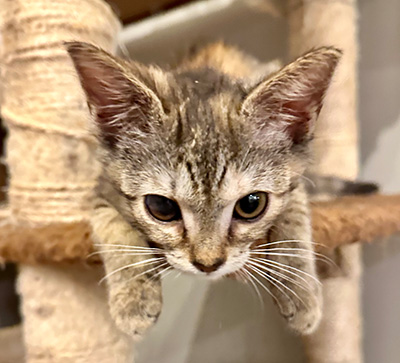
162, 208
251, 206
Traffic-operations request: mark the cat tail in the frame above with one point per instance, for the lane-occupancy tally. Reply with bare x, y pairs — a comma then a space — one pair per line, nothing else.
336, 187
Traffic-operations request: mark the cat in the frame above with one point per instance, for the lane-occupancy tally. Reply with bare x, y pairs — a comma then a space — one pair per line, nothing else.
203, 172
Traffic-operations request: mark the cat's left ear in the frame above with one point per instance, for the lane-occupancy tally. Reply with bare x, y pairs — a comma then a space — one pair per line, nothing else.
289, 102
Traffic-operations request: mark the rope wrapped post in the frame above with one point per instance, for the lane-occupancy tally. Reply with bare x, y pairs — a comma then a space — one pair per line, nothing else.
312, 24
52, 173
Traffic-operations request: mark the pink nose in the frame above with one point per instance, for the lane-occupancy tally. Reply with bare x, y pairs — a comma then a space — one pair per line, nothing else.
209, 268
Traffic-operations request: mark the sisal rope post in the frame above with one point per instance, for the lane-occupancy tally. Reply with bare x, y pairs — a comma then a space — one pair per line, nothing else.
334, 22
52, 173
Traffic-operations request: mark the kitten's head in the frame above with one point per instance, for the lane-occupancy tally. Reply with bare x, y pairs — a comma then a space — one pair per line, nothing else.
204, 163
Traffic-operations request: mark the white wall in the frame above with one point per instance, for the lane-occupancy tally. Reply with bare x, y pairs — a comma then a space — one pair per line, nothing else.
225, 322
380, 160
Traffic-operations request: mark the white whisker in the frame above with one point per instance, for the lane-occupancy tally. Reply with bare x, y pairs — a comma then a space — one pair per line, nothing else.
273, 281
315, 279
244, 159
290, 241
323, 257
268, 276
151, 269
288, 268
164, 267
130, 253
164, 274
136, 264
248, 280
128, 246
315, 256
272, 268
251, 276
287, 278
302, 176
283, 249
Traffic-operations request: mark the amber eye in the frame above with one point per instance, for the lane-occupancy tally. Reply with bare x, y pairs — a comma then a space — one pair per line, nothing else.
162, 208
251, 206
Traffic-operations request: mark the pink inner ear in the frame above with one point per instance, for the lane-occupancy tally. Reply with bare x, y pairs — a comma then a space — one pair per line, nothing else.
104, 85
291, 108
290, 101
119, 103
300, 116
94, 81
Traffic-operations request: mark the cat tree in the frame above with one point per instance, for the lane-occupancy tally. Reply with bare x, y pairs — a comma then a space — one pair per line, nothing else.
44, 227
312, 24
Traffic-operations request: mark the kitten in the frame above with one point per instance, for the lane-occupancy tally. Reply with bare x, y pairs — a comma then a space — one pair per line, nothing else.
202, 172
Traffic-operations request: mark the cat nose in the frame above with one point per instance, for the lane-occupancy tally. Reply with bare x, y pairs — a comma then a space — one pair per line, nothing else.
209, 268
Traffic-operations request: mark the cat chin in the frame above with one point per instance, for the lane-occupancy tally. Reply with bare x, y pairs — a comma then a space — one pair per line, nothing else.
206, 277
214, 276
218, 275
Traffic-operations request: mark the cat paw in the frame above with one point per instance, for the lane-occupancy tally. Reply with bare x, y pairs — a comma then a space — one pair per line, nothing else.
303, 311
137, 308
304, 321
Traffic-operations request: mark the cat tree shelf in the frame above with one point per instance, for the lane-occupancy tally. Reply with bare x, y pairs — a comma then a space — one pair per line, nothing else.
338, 222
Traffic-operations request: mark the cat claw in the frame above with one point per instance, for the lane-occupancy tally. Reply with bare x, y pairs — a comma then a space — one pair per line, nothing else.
305, 322
135, 312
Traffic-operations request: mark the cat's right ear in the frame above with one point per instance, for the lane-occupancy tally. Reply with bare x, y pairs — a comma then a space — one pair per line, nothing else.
121, 102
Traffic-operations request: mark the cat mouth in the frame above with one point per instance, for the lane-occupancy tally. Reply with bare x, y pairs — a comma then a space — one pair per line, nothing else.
182, 263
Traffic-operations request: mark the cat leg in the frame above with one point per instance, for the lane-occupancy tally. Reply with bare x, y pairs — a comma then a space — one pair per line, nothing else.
291, 267
134, 286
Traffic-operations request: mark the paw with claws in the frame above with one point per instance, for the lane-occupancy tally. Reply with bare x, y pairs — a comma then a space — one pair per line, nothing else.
135, 307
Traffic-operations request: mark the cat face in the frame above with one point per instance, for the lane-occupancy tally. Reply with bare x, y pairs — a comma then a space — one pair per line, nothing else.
203, 164
206, 210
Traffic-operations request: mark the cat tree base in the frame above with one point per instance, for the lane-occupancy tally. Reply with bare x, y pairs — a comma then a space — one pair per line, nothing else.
72, 324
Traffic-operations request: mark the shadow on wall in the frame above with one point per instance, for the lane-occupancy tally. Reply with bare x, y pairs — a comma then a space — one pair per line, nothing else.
380, 161
238, 25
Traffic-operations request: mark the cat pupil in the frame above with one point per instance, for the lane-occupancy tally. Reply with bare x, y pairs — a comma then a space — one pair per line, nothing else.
162, 208
251, 206
249, 203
